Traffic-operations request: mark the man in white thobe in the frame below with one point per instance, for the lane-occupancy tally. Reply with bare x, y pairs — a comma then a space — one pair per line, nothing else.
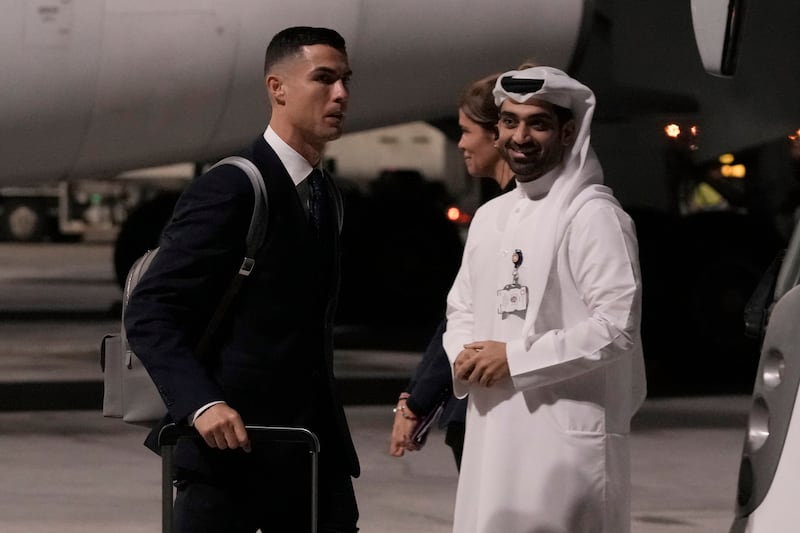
543, 328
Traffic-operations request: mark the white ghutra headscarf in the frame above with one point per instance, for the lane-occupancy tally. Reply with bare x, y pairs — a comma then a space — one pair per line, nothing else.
579, 180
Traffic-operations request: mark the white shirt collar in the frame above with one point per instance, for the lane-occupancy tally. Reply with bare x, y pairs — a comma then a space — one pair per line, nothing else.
296, 165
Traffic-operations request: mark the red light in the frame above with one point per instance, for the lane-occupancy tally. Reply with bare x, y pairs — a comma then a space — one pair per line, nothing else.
456, 215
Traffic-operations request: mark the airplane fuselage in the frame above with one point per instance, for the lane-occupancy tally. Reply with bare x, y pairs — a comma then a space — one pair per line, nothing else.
96, 87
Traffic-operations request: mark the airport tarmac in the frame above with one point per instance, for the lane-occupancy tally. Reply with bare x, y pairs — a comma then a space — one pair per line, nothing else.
74, 471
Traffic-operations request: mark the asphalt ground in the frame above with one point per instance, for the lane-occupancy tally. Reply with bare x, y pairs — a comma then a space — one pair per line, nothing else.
65, 468
74, 471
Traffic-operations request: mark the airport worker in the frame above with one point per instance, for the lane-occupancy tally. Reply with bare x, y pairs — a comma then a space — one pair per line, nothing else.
543, 327
432, 379
272, 361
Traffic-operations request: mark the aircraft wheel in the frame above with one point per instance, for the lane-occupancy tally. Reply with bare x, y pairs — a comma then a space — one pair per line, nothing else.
24, 221
140, 232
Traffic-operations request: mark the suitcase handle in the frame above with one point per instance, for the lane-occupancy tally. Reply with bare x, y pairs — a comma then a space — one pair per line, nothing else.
169, 435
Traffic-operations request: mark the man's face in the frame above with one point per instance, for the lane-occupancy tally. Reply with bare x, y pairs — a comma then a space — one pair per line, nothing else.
314, 93
531, 138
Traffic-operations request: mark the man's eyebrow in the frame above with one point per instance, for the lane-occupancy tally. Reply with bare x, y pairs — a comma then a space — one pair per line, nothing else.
329, 70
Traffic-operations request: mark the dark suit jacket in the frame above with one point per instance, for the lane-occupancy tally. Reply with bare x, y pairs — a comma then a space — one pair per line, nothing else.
271, 358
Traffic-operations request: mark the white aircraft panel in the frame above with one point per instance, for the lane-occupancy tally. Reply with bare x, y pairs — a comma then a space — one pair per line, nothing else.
49, 54
428, 54
164, 75
96, 87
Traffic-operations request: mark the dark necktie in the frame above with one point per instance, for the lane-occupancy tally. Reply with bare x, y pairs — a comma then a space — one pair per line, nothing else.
316, 198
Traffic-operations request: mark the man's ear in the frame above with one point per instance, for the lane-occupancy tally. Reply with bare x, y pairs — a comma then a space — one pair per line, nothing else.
569, 132
276, 89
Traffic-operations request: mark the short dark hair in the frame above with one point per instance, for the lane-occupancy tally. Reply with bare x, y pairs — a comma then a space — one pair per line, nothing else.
289, 42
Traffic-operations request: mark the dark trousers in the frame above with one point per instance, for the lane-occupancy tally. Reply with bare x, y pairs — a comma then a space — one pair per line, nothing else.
454, 437
273, 497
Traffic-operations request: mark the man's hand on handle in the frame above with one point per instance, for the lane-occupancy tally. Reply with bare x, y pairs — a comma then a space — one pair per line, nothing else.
222, 427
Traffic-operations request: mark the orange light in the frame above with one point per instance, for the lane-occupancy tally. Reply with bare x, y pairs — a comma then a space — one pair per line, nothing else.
795, 136
694, 131
733, 171
673, 131
726, 159
456, 215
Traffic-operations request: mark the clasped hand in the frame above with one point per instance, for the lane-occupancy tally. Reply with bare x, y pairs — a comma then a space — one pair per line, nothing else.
483, 363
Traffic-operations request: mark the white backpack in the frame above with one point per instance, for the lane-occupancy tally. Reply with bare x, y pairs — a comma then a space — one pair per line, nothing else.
128, 391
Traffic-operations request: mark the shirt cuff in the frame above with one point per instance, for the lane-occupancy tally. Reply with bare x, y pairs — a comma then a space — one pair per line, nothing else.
516, 355
193, 416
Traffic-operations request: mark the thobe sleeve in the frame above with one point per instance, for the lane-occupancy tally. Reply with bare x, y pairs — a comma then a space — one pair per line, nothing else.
460, 316
602, 257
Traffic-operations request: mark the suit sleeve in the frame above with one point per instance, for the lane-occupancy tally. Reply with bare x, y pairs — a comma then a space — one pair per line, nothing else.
432, 379
199, 253
602, 257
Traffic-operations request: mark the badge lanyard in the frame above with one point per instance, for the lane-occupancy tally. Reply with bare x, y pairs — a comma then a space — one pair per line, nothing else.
513, 298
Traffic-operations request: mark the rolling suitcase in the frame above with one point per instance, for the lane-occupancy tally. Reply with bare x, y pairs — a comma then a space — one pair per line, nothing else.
168, 438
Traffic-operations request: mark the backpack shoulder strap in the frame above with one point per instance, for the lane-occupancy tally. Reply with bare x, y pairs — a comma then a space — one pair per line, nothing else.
255, 238
257, 231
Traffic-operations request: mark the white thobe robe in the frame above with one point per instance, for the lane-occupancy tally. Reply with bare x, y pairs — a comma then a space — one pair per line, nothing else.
546, 450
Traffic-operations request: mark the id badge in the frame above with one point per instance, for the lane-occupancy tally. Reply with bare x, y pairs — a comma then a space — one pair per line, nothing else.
512, 298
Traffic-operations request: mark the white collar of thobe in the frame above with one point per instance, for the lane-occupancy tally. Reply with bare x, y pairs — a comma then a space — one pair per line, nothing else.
295, 164
538, 188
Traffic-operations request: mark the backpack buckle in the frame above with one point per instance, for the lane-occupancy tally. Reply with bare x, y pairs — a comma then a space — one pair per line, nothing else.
247, 266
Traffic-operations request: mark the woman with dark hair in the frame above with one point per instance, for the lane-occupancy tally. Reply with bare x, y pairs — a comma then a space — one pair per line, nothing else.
477, 118
432, 380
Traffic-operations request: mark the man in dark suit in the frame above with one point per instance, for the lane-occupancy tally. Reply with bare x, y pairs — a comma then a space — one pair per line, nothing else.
271, 357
